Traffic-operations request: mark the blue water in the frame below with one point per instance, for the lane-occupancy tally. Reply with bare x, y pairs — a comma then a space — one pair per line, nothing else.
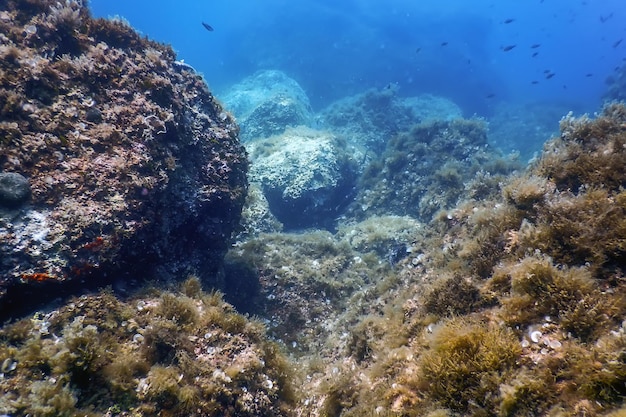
335, 48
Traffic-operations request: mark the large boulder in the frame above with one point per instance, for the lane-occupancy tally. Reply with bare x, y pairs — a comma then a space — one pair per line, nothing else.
370, 119
307, 176
266, 103
134, 171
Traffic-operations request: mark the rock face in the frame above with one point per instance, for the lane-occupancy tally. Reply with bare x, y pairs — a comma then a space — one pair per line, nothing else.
266, 103
306, 175
133, 169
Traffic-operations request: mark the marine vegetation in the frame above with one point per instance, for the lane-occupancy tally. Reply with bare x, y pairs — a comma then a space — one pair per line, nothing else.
510, 305
457, 284
175, 353
427, 168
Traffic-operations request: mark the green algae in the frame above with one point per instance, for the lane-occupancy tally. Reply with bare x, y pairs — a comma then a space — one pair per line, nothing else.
169, 352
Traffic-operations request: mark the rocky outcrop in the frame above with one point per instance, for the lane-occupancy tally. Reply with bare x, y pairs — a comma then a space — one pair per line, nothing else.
429, 168
369, 120
134, 170
307, 176
266, 103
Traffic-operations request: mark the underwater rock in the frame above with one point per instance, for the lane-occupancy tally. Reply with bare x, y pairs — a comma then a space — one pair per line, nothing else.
384, 235
14, 189
370, 119
307, 176
256, 216
427, 169
266, 103
134, 168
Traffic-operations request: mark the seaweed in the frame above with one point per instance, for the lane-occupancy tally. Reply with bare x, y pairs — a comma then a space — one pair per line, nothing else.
466, 364
177, 353
540, 289
453, 296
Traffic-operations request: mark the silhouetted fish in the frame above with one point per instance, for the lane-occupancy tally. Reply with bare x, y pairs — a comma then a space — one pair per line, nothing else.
492, 95
550, 75
616, 44
207, 27
444, 43
535, 45
417, 50
508, 47
535, 54
507, 21
534, 82
605, 18
589, 75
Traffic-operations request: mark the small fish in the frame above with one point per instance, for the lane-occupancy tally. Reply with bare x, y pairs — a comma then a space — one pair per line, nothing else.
616, 44
444, 43
546, 71
605, 18
535, 45
417, 50
550, 75
589, 74
507, 48
207, 27
535, 54
492, 95
534, 82
507, 21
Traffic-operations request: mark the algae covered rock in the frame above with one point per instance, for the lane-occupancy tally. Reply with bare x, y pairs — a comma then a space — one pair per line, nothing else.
370, 119
390, 237
182, 353
266, 103
306, 175
426, 169
134, 168
14, 189
256, 216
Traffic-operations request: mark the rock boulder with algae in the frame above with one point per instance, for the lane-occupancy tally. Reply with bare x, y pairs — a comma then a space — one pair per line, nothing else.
116, 162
